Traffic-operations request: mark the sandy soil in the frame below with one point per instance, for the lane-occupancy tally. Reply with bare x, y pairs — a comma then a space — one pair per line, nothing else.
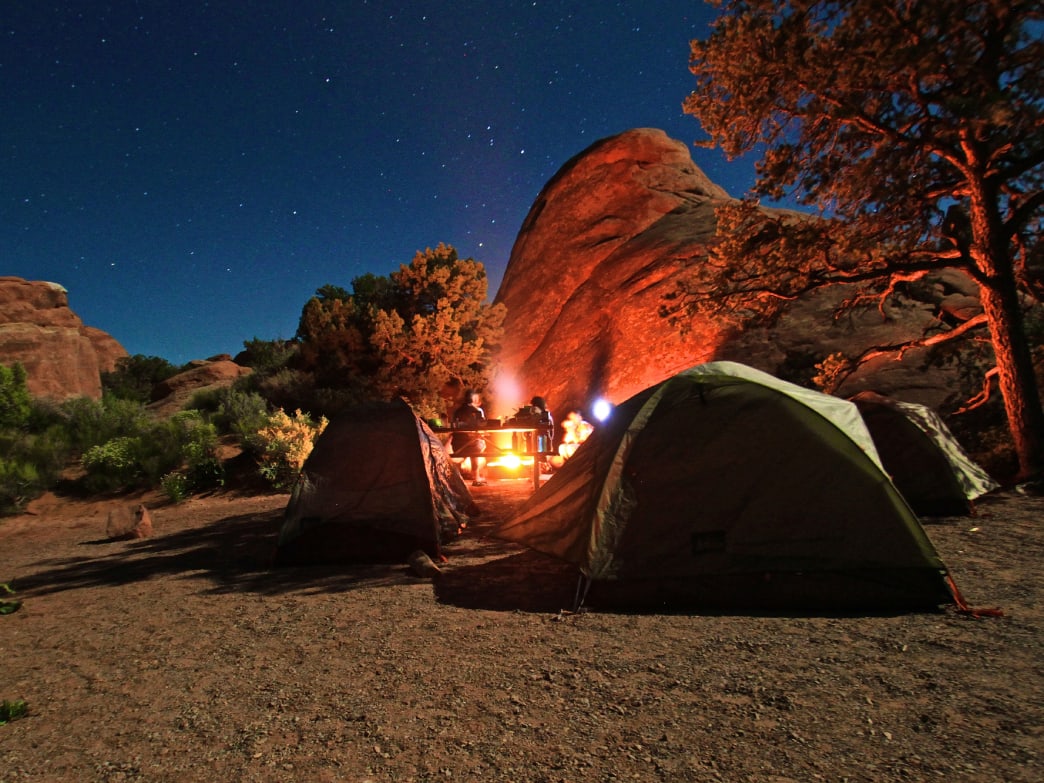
185, 657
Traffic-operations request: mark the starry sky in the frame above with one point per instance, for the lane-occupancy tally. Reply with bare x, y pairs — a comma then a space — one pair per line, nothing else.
193, 171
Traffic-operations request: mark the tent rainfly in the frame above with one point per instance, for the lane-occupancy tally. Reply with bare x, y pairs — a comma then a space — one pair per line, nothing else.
377, 486
923, 458
724, 487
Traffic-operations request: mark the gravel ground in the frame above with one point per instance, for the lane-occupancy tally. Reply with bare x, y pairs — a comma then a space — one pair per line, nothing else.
185, 657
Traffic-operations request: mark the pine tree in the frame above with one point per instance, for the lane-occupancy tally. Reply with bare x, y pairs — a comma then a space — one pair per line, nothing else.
916, 127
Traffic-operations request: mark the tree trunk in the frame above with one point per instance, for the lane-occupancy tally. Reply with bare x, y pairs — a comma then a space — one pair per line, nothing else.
991, 252
1018, 383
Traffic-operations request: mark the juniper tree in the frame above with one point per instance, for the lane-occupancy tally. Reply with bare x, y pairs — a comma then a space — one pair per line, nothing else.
916, 128
410, 334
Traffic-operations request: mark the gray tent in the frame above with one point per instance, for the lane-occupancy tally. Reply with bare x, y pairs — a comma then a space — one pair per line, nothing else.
725, 487
377, 486
922, 456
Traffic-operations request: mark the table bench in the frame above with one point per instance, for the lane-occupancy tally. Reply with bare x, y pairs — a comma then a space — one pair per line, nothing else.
486, 432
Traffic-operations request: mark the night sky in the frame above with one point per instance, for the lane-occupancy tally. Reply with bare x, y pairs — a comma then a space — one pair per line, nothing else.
193, 171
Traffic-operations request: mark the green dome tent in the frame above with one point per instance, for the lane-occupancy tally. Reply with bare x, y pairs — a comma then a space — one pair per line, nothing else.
923, 458
724, 487
377, 486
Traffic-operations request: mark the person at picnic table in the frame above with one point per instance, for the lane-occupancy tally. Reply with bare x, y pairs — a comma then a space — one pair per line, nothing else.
577, 430
471, 445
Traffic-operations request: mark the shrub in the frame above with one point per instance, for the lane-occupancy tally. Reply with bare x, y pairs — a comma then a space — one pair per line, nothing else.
199, 453
237, 412
20, 481
92, 422
267, 356
113, 465
287, 442
32, 455
15, 402
135, 376
13, 710
145, 458
185, 441
175, 486
287, 389
8, 605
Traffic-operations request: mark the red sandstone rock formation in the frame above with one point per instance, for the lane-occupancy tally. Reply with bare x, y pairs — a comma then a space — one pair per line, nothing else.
605, 241
218, 372
62, 357
599, 249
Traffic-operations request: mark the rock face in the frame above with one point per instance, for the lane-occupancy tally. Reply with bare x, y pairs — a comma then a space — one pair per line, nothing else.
217, 372
62, 357
604, 243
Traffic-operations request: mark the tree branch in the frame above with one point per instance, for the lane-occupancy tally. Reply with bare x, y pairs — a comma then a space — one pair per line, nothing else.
925, 342
983, 396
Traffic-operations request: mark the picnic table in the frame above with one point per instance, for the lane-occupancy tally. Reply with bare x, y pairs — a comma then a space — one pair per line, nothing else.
533, 433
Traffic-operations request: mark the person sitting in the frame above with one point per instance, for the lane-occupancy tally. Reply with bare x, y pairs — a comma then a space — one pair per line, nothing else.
536, 415
470, 445
545, 437
577, 430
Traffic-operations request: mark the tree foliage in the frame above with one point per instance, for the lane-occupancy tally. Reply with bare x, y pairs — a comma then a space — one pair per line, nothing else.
917, 129
266, 356
15, 401
135, 376
411, 334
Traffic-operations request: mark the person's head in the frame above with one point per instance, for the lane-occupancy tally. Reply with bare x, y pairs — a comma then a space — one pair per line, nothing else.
539, 402
472, 397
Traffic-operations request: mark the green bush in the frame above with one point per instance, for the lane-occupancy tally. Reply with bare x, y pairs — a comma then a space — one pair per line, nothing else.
286, 389
20, 481
32, 454
234, 411
93, 422
199, 451
8, 605
49, 451
135, 376
15, 402
206, 401
113, 465
175, 486
13, 710
267, 356
147, 451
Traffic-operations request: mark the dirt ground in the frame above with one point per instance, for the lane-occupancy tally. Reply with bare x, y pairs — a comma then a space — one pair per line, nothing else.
185, 657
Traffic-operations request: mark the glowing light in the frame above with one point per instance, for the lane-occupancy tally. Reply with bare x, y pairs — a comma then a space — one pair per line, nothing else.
510, 461
601, 409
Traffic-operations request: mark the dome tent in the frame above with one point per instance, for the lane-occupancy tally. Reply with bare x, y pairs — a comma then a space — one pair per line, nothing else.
377, 486
923, 458
724, 487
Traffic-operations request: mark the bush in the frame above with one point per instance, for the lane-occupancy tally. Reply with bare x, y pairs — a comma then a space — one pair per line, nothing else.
115, 464
236, 412
15, 402
267, 356
20, 481
135, 376
92, 422
175, 486
199, 452
13, 710
287, 442
185, 441
287, 389
32, 455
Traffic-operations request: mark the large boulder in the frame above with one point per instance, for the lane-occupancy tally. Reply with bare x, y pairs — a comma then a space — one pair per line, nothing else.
62, 357
218, 372
606, 241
